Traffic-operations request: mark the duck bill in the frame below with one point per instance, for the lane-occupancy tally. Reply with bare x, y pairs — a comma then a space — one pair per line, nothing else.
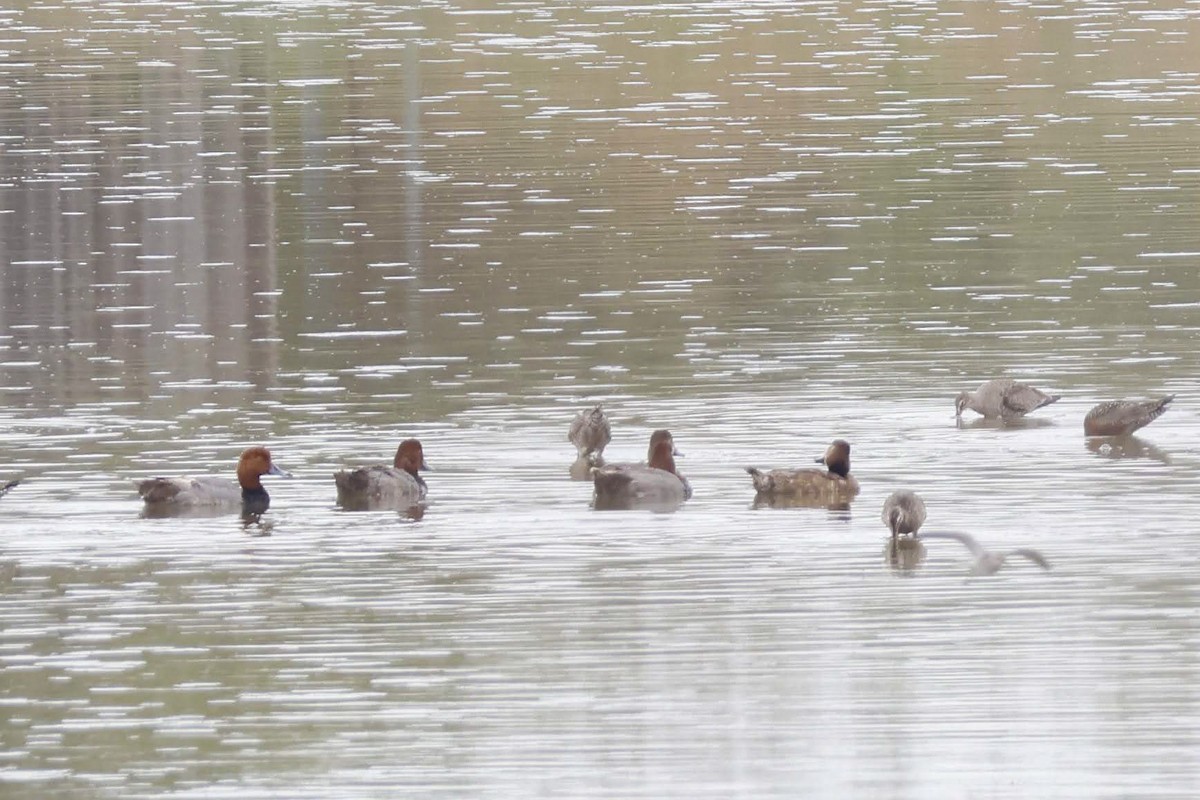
283, 473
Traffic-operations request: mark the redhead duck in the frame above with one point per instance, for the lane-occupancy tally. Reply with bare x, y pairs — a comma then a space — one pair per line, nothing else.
1003, 398
661, 435
833, 484
590, 433
656, 485
1123, 417
171, 496
903, 513
987, 562
380, 486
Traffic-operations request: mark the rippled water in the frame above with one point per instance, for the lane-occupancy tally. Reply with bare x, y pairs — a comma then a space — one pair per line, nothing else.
329, 226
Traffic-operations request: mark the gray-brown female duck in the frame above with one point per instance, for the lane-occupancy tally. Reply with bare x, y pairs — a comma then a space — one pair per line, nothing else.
590, 433
1123, 417
834, 482
1003, 397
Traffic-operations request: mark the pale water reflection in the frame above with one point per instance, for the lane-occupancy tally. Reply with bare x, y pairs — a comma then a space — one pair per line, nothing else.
329, 227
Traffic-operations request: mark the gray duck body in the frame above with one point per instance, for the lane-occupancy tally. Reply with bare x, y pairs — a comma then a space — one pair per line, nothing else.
655, 486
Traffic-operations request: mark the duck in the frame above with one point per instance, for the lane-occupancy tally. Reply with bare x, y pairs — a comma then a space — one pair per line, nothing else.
171, 496
1003, 398
661, 435
903, 513
833, 483
1123, 417
8, 487
987, 562
590, 432
381, 486
655, 485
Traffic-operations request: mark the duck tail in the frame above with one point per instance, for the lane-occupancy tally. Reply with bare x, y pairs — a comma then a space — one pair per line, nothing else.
762, 482
158, 490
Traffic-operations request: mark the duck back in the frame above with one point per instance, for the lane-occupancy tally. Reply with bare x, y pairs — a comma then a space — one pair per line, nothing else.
638, 486
803, 482
377, 486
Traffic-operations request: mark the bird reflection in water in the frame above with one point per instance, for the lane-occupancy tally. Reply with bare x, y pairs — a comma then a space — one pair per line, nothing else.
1118, 447
904, 554
802, 501
1003, 423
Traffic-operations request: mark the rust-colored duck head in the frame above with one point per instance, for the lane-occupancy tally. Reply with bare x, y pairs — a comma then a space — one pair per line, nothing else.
659, 436
410, 458
254, 463
662, 454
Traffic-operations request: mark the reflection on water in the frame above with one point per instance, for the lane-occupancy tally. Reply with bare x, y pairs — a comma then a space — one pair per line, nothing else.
904, 554
1126, 447
327, 227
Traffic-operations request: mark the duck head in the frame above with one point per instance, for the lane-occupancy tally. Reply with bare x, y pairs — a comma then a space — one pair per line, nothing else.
254, 463
837, 458
658, 437
662, 455
410, 457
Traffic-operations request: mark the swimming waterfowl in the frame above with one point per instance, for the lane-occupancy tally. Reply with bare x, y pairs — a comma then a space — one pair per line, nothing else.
655, 485
987, 562
1123, 417
661, 435
6, 488
1003, 397
381, 486
834, 482
590, 433
169, 496
903, 513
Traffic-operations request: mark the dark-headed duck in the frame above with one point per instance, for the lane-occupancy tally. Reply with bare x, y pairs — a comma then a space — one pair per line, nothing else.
381, 486
834, 483
168, 496
654, 485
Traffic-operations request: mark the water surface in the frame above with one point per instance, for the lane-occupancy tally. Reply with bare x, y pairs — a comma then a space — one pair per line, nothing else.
327, 227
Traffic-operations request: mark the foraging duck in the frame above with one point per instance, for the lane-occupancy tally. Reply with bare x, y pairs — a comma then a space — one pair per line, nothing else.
903, 513
172, 496
381, 486
655, 485
1123, 417
987, 562
1003, 397
590, 433
833, 483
